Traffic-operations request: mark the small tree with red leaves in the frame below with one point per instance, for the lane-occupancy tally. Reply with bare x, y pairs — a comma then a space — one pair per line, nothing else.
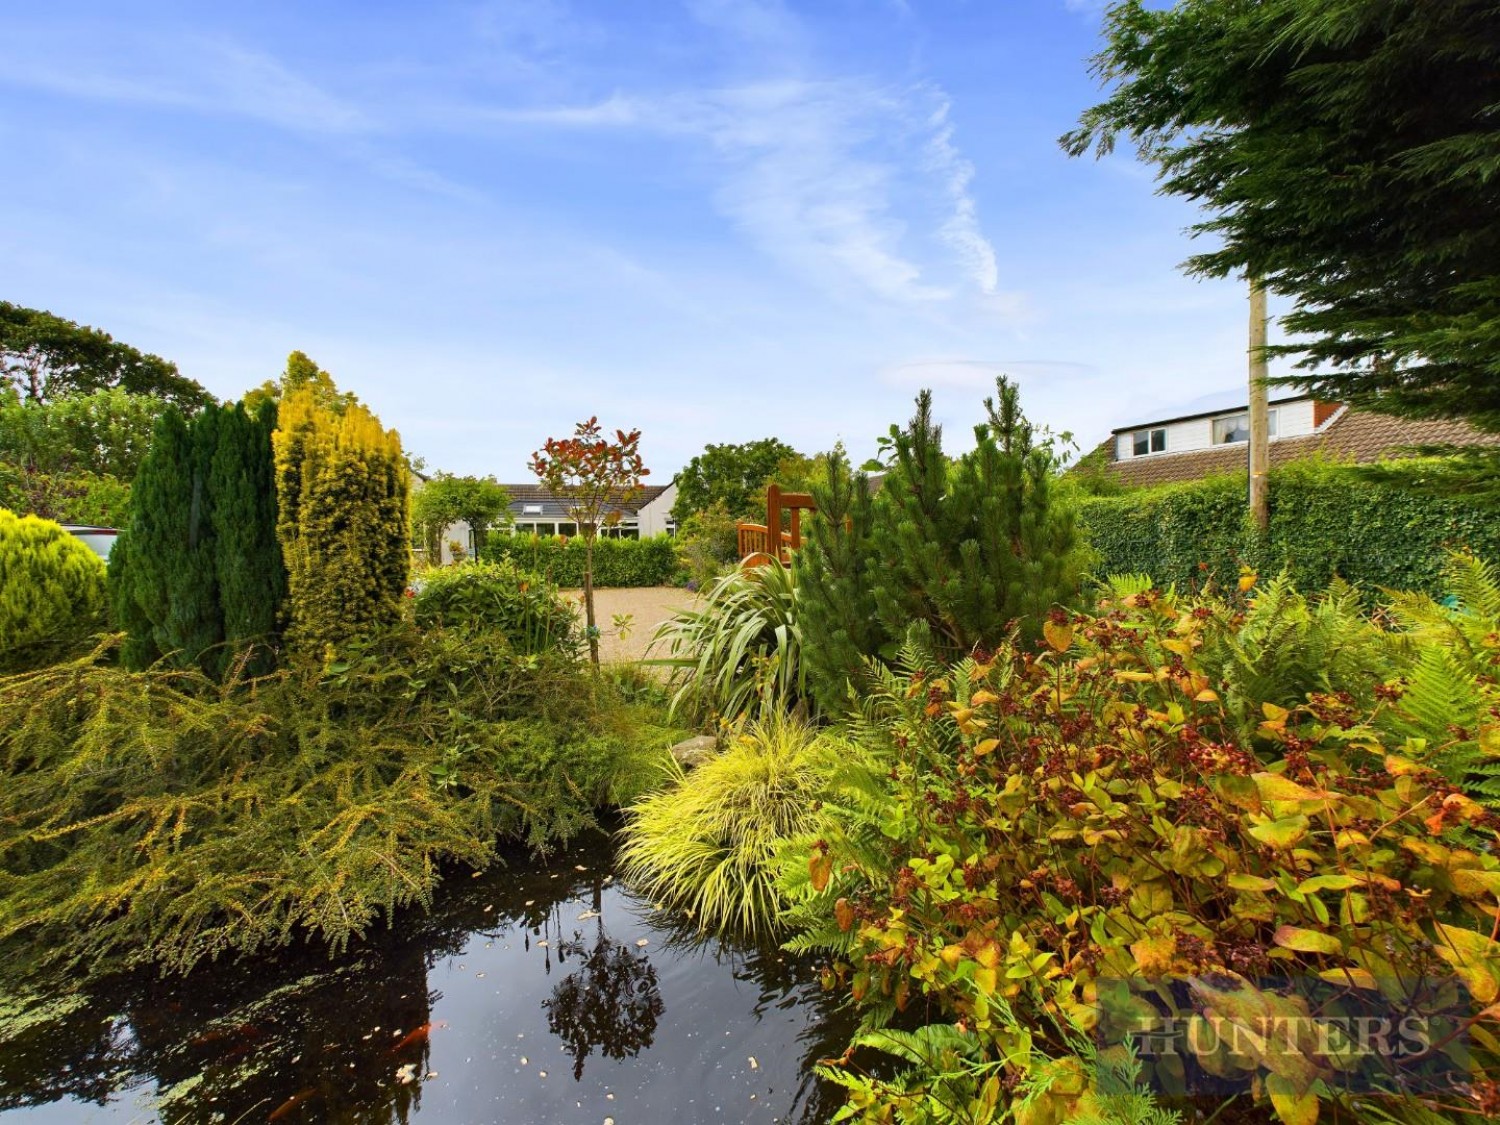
595, 479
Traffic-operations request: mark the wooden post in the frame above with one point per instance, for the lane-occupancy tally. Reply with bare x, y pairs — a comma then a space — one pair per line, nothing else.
1260, 417
773, 522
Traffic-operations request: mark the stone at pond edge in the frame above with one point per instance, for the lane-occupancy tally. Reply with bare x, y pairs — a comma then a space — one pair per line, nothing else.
695, 751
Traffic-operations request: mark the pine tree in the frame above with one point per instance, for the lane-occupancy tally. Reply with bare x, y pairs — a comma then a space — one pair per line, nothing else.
959, 554
342, 489
248, 564
835, 608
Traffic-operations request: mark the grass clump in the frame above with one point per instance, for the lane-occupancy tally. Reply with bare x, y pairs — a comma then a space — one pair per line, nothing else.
165, 817
706, 842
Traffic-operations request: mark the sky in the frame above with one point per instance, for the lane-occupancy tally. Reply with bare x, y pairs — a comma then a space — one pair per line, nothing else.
713, 220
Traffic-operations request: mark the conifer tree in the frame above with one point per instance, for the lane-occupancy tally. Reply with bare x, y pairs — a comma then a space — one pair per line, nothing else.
165, 588
248, 563
962, 552
342, 488
835, 607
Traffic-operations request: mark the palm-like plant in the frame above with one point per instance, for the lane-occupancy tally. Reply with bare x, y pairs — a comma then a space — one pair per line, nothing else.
740, 649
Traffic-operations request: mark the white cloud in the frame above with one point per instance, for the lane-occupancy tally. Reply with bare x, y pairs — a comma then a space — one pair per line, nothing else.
962, 231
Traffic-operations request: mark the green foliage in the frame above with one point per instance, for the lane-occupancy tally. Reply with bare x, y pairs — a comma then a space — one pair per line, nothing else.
64, 497
520, 606
1375, 528
739, 649
1073, 842
44, 357
705, 842
963, 551
732, 475
1346, 151
51, 590
617, 562
164, 817
301, 374
708, 543
342, 520
197, 574
481, 502
163, 573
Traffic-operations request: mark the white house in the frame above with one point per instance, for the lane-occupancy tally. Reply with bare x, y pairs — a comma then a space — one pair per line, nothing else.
535, 511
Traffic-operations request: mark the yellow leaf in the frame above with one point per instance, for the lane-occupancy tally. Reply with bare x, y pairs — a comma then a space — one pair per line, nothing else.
986, 747
1248, 579
1060, 637
1306, 941
1274, 713
1474, 957
1207, 695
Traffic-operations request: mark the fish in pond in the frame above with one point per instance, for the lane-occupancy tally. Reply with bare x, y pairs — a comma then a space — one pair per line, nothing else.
416, 1035
292, 1103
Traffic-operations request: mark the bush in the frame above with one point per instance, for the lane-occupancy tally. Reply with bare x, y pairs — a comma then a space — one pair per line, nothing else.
522, 607
51, 589
1079, 843
706, 842
739, 649
617, 562
163, 817
1388, 527
708, 543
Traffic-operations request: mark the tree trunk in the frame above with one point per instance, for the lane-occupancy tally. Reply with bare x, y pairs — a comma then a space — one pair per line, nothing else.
588, 598
1260, 418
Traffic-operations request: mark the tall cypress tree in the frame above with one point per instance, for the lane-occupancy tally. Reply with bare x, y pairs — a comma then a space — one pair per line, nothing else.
165, 590
248, 565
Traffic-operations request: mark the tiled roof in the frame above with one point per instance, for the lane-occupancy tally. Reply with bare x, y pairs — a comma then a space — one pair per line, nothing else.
1354, 435
523, 494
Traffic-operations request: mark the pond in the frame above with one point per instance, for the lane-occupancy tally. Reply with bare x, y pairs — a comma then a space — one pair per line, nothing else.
538, 991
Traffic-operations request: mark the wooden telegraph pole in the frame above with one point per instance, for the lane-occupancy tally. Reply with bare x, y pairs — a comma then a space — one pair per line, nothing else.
1260, 424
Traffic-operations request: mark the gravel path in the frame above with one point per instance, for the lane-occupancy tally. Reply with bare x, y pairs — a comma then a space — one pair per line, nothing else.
649, 606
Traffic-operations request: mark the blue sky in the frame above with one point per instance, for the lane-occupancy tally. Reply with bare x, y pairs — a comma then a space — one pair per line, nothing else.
715, 220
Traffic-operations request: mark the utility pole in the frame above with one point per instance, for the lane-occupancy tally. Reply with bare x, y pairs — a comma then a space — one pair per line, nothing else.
1260, 420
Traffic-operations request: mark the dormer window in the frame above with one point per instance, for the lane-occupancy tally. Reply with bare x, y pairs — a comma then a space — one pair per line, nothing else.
1236, 428
531, 509
1143, 442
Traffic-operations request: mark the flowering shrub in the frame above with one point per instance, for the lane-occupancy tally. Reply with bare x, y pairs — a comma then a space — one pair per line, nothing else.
1076, 846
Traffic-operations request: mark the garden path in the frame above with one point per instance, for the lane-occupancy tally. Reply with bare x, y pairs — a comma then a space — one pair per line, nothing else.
649, 606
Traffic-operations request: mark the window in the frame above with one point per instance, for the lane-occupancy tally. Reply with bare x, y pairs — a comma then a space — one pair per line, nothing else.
1236, 428
1148, 441
1233, 429
531, 509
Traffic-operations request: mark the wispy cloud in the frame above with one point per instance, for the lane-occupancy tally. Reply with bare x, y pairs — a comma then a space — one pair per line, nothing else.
962, 231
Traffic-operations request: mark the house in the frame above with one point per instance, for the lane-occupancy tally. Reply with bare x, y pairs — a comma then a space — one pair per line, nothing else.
1213, 441
535, 511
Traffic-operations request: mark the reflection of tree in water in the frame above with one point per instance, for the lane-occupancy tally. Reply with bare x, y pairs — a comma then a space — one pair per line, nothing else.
611, 1001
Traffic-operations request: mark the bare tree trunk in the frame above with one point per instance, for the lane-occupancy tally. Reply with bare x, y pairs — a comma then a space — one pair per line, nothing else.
588, 598
1260, 415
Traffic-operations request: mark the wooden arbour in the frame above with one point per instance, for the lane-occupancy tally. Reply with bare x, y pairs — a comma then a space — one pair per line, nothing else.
759, 543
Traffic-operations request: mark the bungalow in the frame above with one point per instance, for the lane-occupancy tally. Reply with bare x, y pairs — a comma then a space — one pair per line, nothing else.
1213, 441
535, 511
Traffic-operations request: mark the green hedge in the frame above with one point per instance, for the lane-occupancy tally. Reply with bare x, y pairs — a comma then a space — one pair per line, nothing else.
1384, 526
617, 562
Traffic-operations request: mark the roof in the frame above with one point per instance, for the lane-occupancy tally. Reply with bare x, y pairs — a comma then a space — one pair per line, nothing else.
1210, 406
1352, 435
554, 508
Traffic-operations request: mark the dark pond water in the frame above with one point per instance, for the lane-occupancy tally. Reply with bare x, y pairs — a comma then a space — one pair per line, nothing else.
536, 992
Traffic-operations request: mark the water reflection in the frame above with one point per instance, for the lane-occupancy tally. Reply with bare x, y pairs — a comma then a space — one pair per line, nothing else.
457, 1015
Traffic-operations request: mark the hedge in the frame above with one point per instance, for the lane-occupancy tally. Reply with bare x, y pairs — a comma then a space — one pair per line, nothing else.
617, 562
1388, 526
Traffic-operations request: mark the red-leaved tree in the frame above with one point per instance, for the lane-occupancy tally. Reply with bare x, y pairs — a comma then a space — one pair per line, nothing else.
595, 479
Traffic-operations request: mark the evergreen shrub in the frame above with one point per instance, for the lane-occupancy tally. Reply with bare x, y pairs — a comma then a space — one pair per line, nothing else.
51, 588
522, 607
617, 562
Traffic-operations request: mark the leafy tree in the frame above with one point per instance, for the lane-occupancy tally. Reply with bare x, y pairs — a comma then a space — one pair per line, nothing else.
734, 474
342, 520
964, 551
44, 357
481, 502
594, 478
1348, 153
